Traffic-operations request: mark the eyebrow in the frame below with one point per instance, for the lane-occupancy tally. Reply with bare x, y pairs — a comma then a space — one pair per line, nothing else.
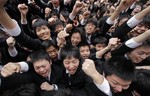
119, 83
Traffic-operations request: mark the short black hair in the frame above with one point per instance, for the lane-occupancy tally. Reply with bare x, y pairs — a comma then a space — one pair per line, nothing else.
68, 51
58, 22
80, 31
83, 43
121, 67
93, 21
146, 21
39, 55
39, 23
100, 40
142, 82
47, 43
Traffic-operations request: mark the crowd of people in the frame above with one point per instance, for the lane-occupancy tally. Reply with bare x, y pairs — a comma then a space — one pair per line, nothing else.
74, 48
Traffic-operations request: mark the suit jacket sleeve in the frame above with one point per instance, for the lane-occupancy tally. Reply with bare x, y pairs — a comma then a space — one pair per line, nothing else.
27, 41
28, 31
122, 32
3, 42
15, 80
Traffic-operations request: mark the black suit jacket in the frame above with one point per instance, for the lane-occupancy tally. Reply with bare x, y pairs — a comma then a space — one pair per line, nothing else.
56, 76
15, 80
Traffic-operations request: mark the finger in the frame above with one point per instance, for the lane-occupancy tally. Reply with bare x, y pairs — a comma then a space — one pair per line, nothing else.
84, 68
5, 72
17, 68
13, 66
66, 35
9, 70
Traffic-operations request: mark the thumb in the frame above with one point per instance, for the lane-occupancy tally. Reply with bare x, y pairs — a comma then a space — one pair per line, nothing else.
66, 35
16, 68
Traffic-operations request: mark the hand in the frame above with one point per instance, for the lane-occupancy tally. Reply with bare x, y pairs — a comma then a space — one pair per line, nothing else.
60, 42
51, 21
86, 14
62, 34
125, 4
10, 42
67, 1
61, 38
62, 18
112, 42
23, 9
112, 9
9, 69
103, 1
77, 7
89, 67
69, 27
46, 86
97, 3
47, 11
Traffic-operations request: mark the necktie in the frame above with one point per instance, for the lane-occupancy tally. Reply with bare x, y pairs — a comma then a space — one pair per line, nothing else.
56, 11
88, 39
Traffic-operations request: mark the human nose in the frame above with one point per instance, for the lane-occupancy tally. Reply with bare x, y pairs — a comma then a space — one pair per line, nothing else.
144, 56
119, 88
71, 66
41, 69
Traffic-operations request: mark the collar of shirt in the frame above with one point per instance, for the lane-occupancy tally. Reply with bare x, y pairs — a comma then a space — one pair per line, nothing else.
49, 76
67, 72
50, 38
126, 56
57, 8
89, 36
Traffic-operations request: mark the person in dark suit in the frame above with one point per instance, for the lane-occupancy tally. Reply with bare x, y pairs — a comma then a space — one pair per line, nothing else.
75, 79
135, 21
18, 85
54, 5
141, 85
41, 70
11, 51
118, 73
68, 4
136, 49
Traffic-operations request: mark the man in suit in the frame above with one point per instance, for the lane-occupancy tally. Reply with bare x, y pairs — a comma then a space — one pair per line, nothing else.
39, 68
118, 73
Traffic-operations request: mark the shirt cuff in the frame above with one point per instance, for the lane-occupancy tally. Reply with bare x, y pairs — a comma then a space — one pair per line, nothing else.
110, 22
83, 21
13, 32
24, 66
23, 22
104, 87
55, 87
132, 44
71, 16
132, 22
13, 52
